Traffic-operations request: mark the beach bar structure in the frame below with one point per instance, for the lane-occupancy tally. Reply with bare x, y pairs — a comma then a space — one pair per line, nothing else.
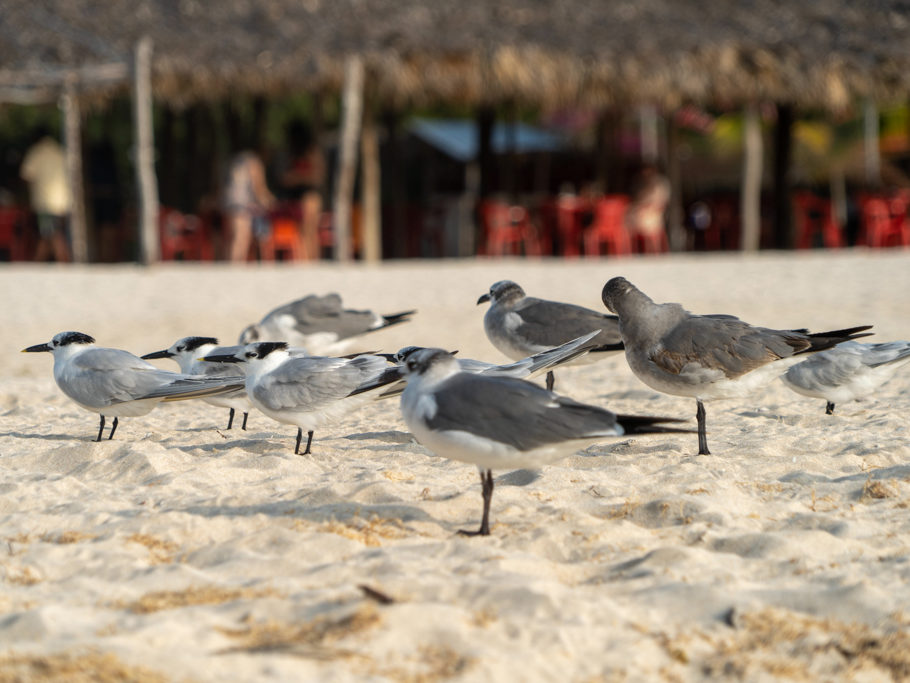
612, 55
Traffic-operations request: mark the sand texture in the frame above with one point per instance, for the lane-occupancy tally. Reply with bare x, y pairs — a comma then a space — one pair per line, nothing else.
182, 551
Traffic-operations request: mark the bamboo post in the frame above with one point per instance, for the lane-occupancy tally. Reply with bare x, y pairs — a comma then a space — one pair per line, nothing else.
144, 153
676, 230
872, 155
351, 110
750, 197
72, 145
370, 189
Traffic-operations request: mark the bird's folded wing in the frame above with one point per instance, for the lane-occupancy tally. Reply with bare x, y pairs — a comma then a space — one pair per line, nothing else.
725, 345
308, 383
514, 412
550, 323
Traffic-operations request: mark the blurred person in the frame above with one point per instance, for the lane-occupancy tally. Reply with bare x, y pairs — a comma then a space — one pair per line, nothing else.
44, 169
247, 200
649, 198
303, 180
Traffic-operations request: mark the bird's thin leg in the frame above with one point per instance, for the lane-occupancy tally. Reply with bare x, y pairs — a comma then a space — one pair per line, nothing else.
299, 436
829, 409
113, 429
486, 483
231, 419
100, 429
309, 440
551, 380
702, 433
243, 426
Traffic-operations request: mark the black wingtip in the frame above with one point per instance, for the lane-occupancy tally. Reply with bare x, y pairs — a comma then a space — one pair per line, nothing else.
395, 318
820, 341
605, 348
648, 424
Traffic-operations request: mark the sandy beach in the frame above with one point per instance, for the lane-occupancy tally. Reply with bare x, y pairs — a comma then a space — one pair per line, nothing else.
182, 551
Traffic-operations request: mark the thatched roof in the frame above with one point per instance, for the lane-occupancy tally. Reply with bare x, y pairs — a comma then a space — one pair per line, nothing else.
548, 52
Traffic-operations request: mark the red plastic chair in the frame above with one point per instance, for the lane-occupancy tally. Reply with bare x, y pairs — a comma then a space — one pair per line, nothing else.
284, 238
508, 230
609, 228
183, 235
12, 239
564, 216
814, 218
885, 222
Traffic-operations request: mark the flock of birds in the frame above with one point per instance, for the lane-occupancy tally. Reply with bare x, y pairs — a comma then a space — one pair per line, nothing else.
473, 411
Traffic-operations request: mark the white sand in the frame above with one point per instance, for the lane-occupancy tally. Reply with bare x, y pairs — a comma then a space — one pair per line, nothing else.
786, 553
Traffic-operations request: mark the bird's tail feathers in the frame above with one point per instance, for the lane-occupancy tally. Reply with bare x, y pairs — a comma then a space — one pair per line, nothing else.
395, 318
648, 424
819, 341
191, 387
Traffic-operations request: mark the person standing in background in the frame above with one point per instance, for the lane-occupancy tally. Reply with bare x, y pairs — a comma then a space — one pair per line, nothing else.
44, 169
303, 180
247, 200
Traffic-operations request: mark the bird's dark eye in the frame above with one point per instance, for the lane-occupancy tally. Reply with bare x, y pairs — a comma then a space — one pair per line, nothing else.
179, 349
56, 343
250, 354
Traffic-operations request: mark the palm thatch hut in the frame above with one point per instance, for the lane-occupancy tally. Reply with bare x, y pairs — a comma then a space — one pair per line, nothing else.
609, 54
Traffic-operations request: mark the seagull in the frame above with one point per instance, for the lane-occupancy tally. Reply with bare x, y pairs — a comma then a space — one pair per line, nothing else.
305, 391
186, 352
501, 422
849, 371
116, 383
520, 325
521, 369
318, 324
706, 357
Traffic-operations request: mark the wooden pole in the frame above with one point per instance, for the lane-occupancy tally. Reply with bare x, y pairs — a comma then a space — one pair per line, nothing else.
370, 189
872, 155
72, 145
351, 114
783, 144
144, 153
676, 230
750, 198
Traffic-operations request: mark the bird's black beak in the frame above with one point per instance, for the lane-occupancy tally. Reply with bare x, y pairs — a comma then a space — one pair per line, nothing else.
158, 354
219, 358
36, 348
483, 299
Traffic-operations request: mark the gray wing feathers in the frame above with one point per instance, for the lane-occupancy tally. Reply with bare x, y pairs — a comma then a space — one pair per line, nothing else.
551, 323
109, 376
515, 412
307, 383
725, 344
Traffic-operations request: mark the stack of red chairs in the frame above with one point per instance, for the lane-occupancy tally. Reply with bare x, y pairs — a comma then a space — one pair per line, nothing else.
885, 222
185, 236
508, 230
608, 228
814, 218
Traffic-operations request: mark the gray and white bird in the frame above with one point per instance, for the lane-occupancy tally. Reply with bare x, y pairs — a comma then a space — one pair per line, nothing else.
849, 371
501, 422
186, 352
306, 391
112, 382
521, 326
706, 357
526, 368
318, 324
